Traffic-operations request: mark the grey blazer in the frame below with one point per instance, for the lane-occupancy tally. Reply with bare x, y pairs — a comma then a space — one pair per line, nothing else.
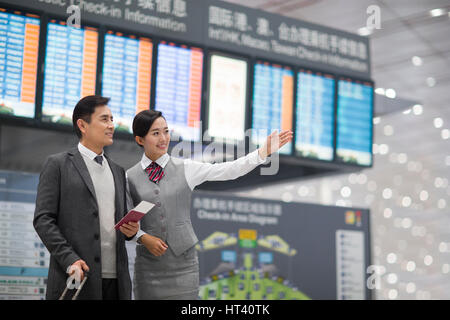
66, 219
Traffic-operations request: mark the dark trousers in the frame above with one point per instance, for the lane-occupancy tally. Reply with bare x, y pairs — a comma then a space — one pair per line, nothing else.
110, 289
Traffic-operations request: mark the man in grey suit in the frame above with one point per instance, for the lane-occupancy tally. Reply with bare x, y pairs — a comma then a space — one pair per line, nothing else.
81, 196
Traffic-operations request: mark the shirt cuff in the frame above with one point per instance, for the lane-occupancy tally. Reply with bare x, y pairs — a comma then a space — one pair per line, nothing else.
257, 158
138, 235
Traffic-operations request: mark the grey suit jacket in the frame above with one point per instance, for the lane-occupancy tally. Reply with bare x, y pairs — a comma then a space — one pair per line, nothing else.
66, 219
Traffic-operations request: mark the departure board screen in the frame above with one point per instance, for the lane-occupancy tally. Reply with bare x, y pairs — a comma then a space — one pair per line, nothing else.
126, 78
227, 98
354, 122
19, 46
273, 98
24, 260
315, 115
70, 69
179, 88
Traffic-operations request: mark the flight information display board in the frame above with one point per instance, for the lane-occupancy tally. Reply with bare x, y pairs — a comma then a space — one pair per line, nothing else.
179, 88
24, 260
126, 78
227, 98
315, 115
70, 69
19, 46
354, 122
272, 106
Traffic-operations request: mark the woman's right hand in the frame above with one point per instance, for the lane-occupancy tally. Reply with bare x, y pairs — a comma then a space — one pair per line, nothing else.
155, 245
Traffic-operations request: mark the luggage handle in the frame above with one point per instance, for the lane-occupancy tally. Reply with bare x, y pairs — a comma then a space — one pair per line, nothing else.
75, 296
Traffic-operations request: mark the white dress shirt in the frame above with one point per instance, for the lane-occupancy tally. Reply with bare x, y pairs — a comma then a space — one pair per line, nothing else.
88, 152
197, 172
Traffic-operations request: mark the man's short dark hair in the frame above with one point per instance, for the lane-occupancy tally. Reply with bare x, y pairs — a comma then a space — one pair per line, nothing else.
85, 108
143, 121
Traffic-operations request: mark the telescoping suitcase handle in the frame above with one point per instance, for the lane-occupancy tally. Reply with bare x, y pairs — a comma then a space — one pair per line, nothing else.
75, 296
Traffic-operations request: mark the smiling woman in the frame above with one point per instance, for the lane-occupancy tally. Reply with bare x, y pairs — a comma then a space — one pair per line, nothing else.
166, 265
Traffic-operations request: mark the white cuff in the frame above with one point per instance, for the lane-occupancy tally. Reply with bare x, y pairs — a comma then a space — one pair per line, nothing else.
258, 158
139, 234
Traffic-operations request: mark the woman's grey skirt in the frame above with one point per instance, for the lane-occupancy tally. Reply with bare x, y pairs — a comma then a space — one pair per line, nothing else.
166, 277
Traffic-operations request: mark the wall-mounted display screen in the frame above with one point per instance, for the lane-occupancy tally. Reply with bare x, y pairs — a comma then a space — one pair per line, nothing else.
179, 88
354, 122
315, 115
126, 76
227, 98
70, 69
272, 106
19, 46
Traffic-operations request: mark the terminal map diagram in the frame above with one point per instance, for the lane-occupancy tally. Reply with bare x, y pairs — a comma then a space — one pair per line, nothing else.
248, 267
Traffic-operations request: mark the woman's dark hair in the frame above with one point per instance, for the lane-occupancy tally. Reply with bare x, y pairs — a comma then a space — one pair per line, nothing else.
85, 108
143, 121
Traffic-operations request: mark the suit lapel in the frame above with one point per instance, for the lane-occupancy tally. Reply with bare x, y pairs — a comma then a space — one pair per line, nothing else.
78, 162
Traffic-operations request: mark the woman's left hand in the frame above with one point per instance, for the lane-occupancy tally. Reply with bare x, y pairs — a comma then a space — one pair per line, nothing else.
275, 142
129, 229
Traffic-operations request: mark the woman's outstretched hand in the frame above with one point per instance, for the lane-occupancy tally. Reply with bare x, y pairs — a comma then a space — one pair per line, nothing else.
275, 142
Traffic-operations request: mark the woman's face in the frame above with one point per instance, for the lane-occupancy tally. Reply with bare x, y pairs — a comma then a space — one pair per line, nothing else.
156, 142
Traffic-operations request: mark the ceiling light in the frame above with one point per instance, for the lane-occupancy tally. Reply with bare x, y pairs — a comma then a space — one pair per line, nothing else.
424, 195
410, 287
387, 193
406, 223
388, 130
411, 266
391, 258
406, 201
387, 213
437, 12
417, 109
390, 93
380, 91
364, 31
431, 82
383, 149
438, 122
346, 192
402, 158
392, 278
417, 61
428, 260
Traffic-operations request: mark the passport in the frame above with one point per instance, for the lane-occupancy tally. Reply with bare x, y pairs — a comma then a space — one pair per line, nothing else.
136, 213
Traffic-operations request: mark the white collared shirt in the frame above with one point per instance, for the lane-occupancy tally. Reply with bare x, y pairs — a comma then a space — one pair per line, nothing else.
88, 152
197, 172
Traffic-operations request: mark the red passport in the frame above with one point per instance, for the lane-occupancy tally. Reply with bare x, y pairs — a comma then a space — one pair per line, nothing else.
136, 213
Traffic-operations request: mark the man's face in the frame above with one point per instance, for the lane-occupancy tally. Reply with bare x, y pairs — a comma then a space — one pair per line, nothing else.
99, 132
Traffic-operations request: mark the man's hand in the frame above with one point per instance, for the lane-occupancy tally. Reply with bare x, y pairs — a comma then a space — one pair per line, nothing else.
78, 267
156, 246
129, 229
274, 143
